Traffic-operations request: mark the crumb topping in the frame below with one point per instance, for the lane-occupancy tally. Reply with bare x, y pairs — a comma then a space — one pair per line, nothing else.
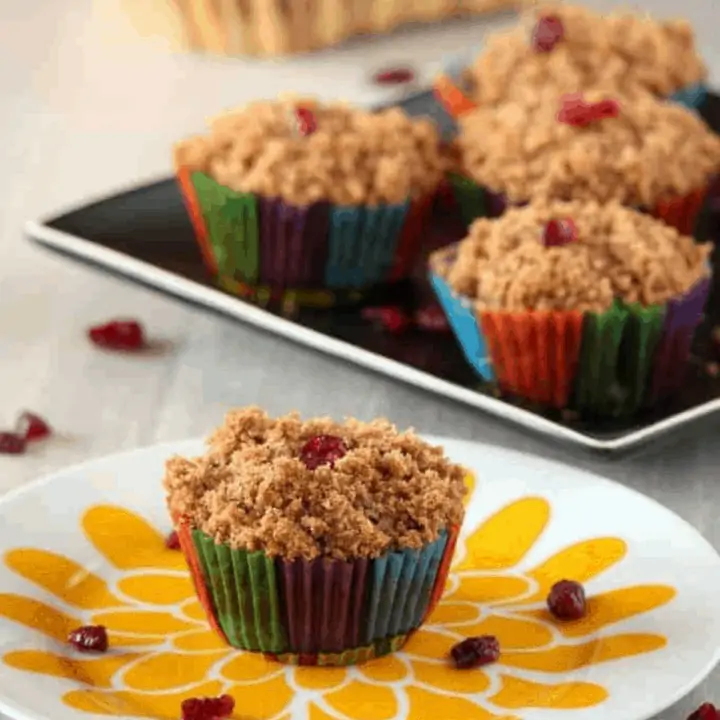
652, 150
252, 491
622, 50
352, 156
615, 252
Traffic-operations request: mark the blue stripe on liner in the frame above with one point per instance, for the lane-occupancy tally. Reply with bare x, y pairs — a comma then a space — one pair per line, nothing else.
362, 244
692, 96
464, 324
401, 585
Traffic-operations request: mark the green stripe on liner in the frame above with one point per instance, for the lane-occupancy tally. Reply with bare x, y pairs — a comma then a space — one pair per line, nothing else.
244, 590
231, 219
470, 197
616, 358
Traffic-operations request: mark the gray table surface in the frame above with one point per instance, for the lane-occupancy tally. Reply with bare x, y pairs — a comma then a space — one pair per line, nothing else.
84, 109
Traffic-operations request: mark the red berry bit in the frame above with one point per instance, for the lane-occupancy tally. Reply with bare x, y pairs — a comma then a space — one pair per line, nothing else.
89, 638
394, 76
576, 112
707, 711
11, 443
216, 708
118, 335
305, 121
32, 427
548, 32
566, 600
322, 450
172, 541
475, 651
559, 232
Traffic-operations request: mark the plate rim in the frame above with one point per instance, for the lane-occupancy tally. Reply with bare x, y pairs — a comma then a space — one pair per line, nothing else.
165, 281
13, 711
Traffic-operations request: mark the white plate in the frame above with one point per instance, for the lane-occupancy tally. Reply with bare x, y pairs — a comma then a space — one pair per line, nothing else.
80, 543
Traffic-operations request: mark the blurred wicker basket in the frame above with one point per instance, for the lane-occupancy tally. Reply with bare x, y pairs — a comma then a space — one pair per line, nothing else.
283, 27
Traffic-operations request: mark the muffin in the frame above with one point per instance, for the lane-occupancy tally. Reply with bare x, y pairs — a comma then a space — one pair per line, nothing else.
575, 305
316, 543
318, 201
570, 49
638, 151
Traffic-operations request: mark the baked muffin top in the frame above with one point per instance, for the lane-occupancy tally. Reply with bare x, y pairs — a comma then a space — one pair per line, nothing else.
595, 146
572, 48
571, 256
304, 152
316, 488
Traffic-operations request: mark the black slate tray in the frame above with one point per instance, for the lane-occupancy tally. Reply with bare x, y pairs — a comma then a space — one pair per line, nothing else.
144, 234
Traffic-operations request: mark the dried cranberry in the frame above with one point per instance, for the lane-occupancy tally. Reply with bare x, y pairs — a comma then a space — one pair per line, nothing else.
394, 76
574, 111
11, 444
322, 450
207, 708
566, 600
432, 319
118, 335
605, 109
548, 32
559, 232
32, 426
89, 638
707, 711
172, 541
305, 121
475, 651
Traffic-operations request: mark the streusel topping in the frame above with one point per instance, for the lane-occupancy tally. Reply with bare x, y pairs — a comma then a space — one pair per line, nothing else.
253, 491
651, 151
351, 156
614, 252
621, 50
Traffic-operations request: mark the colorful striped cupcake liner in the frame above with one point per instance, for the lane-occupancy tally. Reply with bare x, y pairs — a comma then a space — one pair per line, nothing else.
320, 612
264, 247
607, 364
476, 201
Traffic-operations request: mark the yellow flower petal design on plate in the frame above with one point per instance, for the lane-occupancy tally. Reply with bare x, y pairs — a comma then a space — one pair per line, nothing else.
169, 670
62, 577
428, 644
448, 613
262, 700
516, 693
582, 562
565, 658
470, 485
97, 672
116, 640
157, 589
360, 701
124, 703
443, 676
427, 705
198, 641
505, 537
128, 541
317, 713
611, 607
142, 622
313, 678
512, 633
488, 589
249, 667
194, 610
37, 616
385, 669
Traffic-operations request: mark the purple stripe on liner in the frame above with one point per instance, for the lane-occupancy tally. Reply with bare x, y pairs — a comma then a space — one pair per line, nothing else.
323, 604
671, 355
293, 243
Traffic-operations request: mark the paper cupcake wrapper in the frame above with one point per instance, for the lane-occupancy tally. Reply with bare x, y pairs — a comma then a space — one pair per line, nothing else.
450, 92
476, 201
316, 612
267, 243
605, 364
